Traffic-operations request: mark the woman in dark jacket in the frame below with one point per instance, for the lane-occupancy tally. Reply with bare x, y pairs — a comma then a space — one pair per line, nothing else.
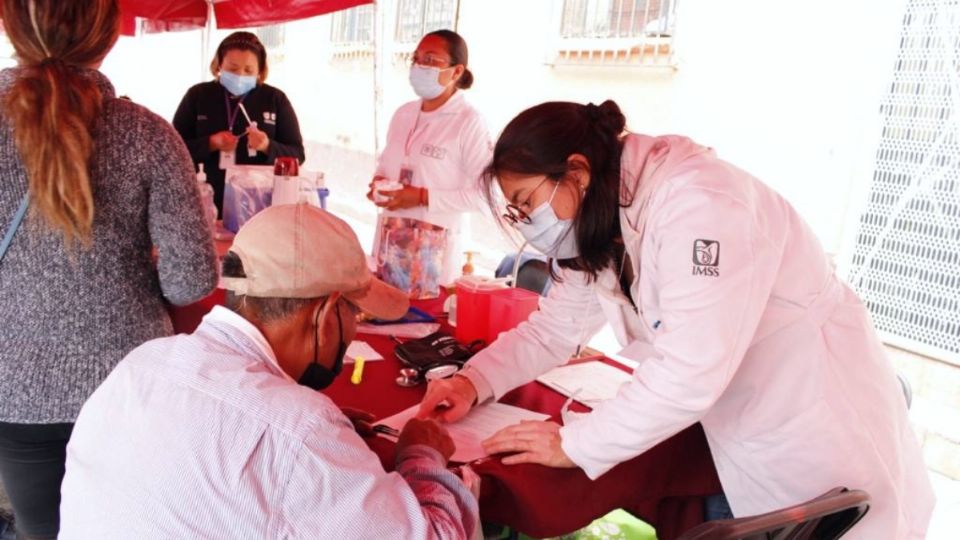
220, 132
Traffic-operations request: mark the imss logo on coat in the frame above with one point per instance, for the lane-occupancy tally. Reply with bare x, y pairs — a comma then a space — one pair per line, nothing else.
706, 258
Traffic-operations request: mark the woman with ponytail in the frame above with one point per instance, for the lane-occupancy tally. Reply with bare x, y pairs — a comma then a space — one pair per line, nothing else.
725, 300
437, 146
89, 184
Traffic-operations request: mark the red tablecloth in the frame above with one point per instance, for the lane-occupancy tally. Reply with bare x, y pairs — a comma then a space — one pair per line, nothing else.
665, 486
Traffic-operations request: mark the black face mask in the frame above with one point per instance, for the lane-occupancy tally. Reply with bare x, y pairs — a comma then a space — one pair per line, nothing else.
319, 377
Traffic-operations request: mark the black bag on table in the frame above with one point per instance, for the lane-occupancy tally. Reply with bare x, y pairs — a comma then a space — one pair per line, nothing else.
434, 351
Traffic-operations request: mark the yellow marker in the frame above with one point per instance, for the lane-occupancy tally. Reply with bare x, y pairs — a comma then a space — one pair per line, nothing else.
357, 370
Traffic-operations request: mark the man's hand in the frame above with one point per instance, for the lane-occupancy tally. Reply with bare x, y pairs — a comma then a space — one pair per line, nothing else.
426, 432
223, 141
362, 420
448, 400
533, 442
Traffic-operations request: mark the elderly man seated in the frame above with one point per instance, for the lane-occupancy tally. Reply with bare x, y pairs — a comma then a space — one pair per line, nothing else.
222, 433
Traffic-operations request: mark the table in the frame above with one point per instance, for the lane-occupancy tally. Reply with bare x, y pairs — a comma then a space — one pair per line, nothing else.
665, 486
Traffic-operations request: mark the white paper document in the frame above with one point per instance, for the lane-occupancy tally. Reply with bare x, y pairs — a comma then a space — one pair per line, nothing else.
593, 382
468, 432
361, 348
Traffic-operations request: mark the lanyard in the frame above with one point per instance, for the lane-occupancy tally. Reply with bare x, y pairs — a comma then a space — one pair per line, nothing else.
411, 135
232, 115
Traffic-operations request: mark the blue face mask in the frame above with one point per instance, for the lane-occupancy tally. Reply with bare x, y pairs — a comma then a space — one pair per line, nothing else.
425, 81
552, 236
237, 85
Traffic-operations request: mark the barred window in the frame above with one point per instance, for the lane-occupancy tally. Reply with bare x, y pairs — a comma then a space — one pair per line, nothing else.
906, 258
353, 26
617, 18
616, 32
271, 36
418, 17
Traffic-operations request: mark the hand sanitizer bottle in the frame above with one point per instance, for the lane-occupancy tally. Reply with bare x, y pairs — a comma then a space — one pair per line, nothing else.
206, 195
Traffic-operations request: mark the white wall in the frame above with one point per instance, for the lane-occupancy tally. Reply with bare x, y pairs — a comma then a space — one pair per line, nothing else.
787, 90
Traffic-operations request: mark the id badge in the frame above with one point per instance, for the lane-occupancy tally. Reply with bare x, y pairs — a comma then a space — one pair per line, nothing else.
227, 159
406, 175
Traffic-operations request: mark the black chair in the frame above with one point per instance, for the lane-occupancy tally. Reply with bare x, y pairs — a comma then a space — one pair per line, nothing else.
827, 517
533, 275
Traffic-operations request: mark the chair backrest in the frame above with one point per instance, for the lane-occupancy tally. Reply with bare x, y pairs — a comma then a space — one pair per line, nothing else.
533, 274
826, 517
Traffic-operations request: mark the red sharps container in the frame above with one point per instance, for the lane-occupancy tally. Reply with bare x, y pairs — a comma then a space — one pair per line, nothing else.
286, 166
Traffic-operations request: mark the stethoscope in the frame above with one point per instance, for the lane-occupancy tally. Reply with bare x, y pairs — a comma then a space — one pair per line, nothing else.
410, 377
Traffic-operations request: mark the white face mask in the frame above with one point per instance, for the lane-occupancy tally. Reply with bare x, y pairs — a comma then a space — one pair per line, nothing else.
426, 81
554, 237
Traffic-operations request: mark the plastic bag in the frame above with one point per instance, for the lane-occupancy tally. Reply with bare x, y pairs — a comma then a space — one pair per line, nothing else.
410, 255
248, 189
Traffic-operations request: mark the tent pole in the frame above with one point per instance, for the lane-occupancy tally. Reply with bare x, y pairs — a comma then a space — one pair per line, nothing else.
205, 41
379, 58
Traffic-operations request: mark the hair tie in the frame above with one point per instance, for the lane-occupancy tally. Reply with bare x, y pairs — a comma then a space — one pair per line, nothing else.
593, 112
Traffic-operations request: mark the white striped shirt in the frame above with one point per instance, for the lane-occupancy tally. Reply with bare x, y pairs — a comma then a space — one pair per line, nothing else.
204, 436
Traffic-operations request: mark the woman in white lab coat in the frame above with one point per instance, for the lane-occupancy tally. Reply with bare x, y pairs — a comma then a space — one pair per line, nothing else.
721, 293
437, 147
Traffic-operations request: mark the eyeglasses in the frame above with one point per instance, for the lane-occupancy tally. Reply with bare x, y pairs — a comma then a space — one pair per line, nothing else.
355, 311
515, 212
429, 60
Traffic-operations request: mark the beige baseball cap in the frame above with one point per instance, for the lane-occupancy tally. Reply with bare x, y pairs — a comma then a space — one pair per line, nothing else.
299, 251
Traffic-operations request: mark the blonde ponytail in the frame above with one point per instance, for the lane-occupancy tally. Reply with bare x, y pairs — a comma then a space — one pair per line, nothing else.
53, 106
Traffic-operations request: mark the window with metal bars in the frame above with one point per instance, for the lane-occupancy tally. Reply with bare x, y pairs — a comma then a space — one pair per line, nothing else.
417, 17
617, 18
616, 32
906, 258
352, 26
271, 36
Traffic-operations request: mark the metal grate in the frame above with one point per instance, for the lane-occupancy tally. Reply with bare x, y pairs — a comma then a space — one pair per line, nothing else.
621, 33
353, 26
417, 17
906, 261
272, 36
616, 18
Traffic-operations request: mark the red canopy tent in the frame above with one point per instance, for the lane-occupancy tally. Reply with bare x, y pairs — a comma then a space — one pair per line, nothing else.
191, 14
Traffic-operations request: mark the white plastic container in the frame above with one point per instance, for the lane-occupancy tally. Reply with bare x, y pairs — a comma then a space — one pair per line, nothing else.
385, 185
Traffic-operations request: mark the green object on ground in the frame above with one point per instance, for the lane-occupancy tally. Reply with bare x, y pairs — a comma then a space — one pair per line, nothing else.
617, 525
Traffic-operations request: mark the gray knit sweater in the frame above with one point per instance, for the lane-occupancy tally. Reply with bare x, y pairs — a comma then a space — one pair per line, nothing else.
67, 316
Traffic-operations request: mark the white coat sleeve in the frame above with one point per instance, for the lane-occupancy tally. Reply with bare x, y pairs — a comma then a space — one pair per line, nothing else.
476, 151
568, 316
707, 323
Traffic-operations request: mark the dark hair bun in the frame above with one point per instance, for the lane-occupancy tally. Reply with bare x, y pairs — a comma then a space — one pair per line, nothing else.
607, 117
466, 80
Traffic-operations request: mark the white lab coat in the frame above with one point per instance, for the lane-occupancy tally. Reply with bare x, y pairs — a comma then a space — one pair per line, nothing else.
446, 149
741, 326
